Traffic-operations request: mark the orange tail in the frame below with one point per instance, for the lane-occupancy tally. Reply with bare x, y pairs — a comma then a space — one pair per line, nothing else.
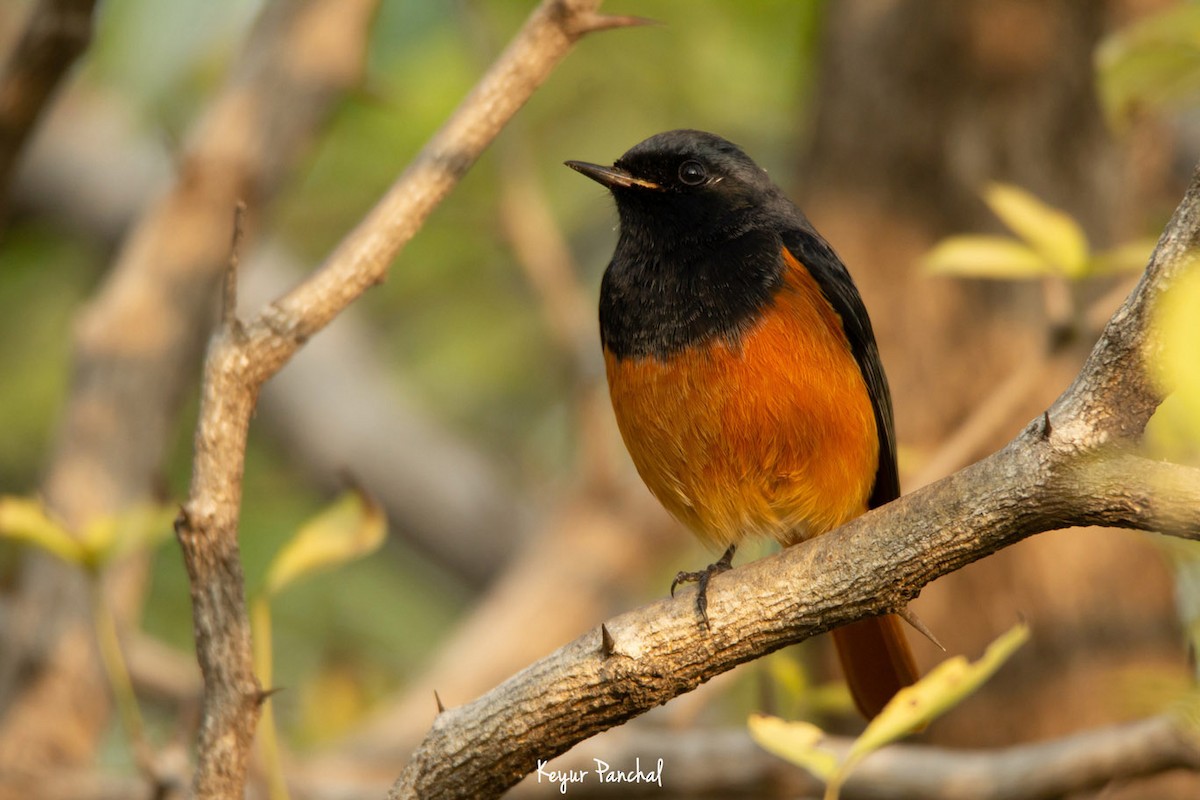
875, 660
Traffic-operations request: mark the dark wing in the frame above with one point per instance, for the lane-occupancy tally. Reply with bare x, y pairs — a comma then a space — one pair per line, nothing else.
831, 275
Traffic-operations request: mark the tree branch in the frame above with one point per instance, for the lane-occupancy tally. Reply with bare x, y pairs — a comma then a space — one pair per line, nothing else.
242, 357
444, 494
727, 762
875, 564
1054, 768
136, 346
56, 33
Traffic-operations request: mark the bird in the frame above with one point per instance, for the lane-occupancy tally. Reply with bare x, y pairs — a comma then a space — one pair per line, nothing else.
743, 370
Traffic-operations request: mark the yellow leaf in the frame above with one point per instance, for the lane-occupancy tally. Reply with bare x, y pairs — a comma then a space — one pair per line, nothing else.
260, 632
944, 687
1053, 234
788, 676
351, 527
986, 257
1174, 430
140, 527
1177, 364
1128, 257
331, 704
25, 520
796, 742
912, 708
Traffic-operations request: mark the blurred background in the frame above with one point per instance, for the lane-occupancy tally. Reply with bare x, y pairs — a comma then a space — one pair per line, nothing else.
465, 393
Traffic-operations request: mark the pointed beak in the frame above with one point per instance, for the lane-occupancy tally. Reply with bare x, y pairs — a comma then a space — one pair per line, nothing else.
611, 177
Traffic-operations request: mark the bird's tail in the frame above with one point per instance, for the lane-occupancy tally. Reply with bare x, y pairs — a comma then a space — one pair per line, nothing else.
876, 661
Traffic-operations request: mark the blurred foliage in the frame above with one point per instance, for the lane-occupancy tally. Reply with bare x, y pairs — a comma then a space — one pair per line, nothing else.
1048, 242
1152, 63
914, 707
456, 313
1174, 431
351, 527
455, 319
44, 276
98, 542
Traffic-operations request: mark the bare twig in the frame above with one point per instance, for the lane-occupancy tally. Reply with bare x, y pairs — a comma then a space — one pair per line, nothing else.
337, 404
333, 405
166, 280
237, 367
542, 253
1048, 477
229, 302
56, 33
136, 348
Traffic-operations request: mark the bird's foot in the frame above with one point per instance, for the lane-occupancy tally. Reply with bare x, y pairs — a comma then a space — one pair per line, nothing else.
701, 578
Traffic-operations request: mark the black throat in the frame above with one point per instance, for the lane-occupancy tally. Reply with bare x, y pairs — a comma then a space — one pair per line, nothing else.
661, 295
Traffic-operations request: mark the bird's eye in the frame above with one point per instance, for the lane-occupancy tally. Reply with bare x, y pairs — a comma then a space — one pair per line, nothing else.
692, 173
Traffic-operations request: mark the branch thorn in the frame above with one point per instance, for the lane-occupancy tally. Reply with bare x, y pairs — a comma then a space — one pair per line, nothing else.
919, 625
229, 300
591, 23
183, 520
608, 645
263, 695
438, 699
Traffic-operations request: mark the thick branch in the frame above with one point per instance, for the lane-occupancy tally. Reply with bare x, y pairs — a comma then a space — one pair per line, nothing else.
56, 33
1135, 492
872, 565
242, 357
1114, 395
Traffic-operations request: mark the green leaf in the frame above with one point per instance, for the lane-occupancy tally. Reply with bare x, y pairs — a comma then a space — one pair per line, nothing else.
986, 257
349, 528
1052, 233
25, 520
943, 688
798, 743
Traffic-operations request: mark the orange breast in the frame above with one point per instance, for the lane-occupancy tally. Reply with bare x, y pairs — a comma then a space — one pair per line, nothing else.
774, 435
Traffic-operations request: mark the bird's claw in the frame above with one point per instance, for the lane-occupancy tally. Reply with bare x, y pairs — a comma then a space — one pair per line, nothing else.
701, 579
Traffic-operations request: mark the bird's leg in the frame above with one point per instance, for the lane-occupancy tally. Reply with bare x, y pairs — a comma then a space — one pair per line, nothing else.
701, 578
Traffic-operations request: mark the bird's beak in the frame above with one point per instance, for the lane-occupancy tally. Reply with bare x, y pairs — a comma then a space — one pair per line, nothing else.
610, 176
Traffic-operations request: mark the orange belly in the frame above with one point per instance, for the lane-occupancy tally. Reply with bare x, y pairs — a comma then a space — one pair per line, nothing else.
771, 435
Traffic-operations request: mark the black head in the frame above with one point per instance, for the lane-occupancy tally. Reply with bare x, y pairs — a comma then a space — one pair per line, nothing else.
699, 252
687, 186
